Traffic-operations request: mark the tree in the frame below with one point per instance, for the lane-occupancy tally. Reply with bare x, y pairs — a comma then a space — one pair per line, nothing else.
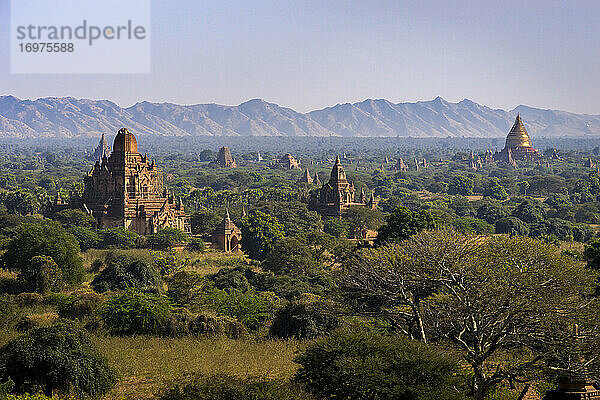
124, 271
336, 227
512, 226
203, 222
367, 365
529, 211
591, 253
403, 223
260, 231
117, 238
71, 217
46, 238
167, 238
461, 185
495, 190
21, 201
86, 237
491, 211
483, 295
252, 309
360, 219
293, 215
60, 358
43, 275
292, 257
304, 320
133, 312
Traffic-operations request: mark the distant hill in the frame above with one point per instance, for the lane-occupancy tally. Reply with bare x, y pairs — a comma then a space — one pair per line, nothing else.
70, 117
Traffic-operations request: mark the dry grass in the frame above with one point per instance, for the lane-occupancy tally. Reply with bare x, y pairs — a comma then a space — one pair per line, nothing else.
146, 364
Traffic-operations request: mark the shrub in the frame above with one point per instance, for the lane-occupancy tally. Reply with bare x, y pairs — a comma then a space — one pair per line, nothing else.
512, 226
42, 275
292, 257
60, 358
81, 305
367, 365
87, 238
302, 320
167, 238
224, 387
253, 309
217, 325
233, 278
73, 217
336, 227
169, 262
125, 271
117, 238
188, 288
10, 313
47, 238
196, 244
133, 312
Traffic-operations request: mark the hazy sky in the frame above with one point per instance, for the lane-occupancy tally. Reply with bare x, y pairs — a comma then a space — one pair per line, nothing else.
313, 54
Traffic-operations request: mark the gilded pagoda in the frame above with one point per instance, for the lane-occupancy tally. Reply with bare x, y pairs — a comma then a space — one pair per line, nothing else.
518, 145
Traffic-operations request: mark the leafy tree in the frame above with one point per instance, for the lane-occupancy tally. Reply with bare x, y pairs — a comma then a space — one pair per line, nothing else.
125, 271
117, 238
403, 223
60, 358
86, 237
512, 226
293, 215
529, 211
360, 219
495, 190
336, 227
367, 365
196, 244
591, 253
43, 275
292, 257
203, 222
252, 309
304, 320
461, 185
47, 238
260, 231
167, 238
189, 288
472, 225
224, 387
133, 312
72, 217
21, 201
492, 211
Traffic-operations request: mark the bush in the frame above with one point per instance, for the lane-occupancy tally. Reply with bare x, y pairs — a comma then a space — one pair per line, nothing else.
73, 217
117, 238
188, 288
10, 313
252, 309
133, 312
81, 305
196, 244
367, 365
60, 358
42, 276
87, 238
233, 278
124, 271
292, 257
167, 238
512, 226
223, 387
47, 238
336, 227
301, 320
217, 325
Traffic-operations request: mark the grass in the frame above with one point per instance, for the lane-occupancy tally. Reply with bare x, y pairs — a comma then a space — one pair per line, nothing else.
146, 364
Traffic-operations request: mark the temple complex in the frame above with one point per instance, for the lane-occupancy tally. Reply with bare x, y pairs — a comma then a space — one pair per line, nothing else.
126, 190
338, 194
224, 159
518, 145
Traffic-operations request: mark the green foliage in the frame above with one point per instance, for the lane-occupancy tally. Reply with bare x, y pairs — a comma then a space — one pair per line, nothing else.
512, 226
492, 211
336, 227
189, 288
60, 358
71, 217
42, 275
47, 238
260, 231
367, 365
133, 312
125, 270
252, 309
203, 222
86, 237
117, 238
495, 190
403, 223
28, 396
591, 254
10, 312
304, 320
81, 306
461, 185
360, 219
294, 216
224, 387
167, 238
292, 257
169, 262
529, 211
196, 244
472, 225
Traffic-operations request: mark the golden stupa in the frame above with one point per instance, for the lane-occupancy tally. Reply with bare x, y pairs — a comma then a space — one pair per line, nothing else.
518, 144
518, 136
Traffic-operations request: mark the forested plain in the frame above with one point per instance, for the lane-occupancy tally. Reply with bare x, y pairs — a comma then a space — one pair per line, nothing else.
480, 281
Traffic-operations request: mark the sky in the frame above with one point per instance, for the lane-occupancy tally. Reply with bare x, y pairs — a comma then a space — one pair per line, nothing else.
313, 54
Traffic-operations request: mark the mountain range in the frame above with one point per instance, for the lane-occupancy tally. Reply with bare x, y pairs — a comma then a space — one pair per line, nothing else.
70, 117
